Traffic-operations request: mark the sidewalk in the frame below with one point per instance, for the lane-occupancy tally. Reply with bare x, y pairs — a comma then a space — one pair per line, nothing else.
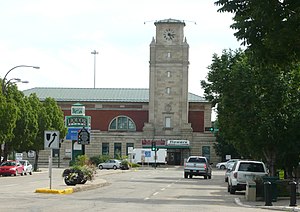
282, 204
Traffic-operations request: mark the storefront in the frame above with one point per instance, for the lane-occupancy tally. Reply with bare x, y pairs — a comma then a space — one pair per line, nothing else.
177, 150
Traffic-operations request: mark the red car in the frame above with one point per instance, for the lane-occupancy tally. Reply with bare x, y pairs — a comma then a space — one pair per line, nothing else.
11, 168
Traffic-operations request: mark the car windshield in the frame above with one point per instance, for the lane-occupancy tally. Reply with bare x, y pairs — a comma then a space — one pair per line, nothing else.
251, 167
8, 163
197, 160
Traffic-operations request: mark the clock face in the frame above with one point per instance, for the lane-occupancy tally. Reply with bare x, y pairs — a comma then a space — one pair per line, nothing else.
169, 34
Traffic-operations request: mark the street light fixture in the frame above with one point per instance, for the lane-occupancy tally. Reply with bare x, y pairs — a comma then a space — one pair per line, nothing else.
94, 53
4, 84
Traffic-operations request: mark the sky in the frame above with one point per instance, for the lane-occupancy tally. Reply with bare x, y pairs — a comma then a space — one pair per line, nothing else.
59, 36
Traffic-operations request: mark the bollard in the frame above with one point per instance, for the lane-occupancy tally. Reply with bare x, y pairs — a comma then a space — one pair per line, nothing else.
268, 193
293, 199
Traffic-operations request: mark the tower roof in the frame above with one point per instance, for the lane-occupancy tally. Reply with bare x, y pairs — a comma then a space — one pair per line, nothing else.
169, 21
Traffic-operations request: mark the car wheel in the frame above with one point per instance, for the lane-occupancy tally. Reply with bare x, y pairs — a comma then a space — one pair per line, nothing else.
222, 167
114, 167
205, 177
209, 176
16, 173
191, 176
232, 190
22, 173
100, 167
226, 179
186, 175
30, 173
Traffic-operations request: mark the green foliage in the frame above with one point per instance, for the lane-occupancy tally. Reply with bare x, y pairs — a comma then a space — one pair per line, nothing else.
270, 29
82, 163
134, 165
258, 106
95, 160
82, 160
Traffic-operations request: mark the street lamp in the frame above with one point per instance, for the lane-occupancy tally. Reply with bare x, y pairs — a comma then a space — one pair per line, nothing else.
94, 53
4, 84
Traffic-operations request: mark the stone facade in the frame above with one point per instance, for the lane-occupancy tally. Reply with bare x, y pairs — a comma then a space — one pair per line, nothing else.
169, 115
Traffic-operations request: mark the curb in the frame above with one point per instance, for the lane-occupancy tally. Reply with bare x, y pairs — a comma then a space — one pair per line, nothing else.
278, 208
82, 187
55, 191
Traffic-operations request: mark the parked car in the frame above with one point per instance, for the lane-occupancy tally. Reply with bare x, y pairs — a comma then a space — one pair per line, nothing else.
197, 166
243, 171
224, 165
11, 168
110, 164
27, 166
228, 170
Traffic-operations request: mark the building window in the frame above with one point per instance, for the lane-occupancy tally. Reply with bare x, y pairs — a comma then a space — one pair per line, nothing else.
206, 151
122, 123
168, 90
117, 150
169, 74
168, 122
129, 145
105, 148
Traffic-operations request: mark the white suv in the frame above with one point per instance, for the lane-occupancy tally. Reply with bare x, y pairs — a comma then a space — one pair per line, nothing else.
242, 171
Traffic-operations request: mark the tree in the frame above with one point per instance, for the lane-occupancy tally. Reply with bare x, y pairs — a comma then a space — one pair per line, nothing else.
9, 112
268, 28
50, 117
255, 104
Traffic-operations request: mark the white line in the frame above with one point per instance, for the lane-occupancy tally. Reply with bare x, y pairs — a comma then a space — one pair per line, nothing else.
146, 198
162, 189
155, 193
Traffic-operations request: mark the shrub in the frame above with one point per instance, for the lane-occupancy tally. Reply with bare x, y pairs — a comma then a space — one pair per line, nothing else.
95, 160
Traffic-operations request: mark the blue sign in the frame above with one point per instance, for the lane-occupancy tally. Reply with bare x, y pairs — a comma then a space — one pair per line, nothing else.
72, 133
147, 154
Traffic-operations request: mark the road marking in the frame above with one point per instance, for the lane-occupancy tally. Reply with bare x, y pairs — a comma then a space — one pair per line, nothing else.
10, 185
155, 193
163, 189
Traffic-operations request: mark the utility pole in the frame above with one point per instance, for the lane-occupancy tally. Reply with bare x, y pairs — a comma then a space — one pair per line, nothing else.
94, 53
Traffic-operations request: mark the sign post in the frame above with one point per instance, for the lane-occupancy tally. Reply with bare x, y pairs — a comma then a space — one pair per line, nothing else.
51, 142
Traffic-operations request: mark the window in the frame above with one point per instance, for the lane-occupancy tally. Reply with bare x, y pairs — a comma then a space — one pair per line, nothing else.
122, 123
169, 74
117, 150
129, 145
105, 148
168, 122
168, 90
206, 152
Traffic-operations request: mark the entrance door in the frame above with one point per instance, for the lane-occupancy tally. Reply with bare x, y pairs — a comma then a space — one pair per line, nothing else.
174, 157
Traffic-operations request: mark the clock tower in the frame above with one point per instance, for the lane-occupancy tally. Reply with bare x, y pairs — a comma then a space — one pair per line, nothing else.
168, 97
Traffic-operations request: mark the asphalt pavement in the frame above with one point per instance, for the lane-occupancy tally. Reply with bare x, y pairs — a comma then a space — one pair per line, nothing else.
59, 187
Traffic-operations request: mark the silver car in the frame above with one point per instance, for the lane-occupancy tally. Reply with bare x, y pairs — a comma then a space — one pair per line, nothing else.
110, 164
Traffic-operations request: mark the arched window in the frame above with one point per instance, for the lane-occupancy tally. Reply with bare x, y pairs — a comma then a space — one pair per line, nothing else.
122, 123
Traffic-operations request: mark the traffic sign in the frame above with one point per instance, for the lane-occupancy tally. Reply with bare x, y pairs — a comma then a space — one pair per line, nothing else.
83, 136
51, 139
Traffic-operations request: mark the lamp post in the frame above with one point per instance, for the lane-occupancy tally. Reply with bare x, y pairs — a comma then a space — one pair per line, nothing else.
94, 53
4, 84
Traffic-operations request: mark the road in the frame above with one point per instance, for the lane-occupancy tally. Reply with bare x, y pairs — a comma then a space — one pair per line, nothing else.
162, 189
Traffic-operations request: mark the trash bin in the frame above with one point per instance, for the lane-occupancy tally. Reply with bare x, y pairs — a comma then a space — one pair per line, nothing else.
273, 181
251, 191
